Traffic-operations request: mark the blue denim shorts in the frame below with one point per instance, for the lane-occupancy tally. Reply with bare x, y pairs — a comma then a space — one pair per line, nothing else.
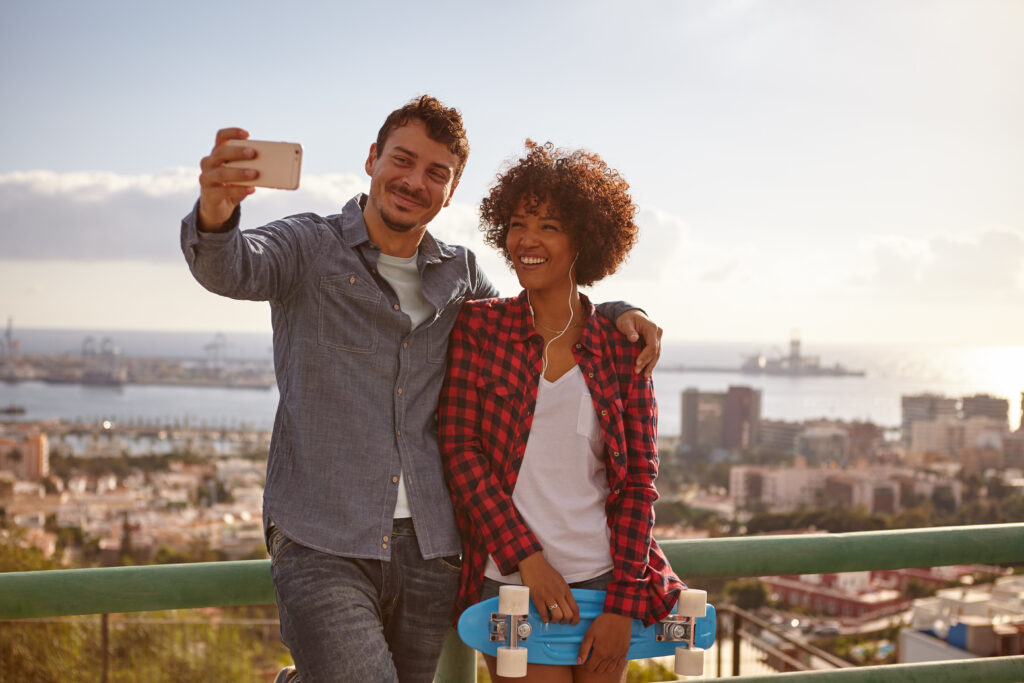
598, 583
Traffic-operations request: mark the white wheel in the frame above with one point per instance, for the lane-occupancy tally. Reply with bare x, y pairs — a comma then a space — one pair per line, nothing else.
689, 662
514, 600
512, 661
693, 603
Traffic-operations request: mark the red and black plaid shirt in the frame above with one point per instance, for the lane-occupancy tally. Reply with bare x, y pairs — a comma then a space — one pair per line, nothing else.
485, 412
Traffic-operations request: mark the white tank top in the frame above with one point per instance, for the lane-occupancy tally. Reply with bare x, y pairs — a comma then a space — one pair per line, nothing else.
562, 486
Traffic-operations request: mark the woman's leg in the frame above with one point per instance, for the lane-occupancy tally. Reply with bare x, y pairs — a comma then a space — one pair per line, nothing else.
535, 673
581, 675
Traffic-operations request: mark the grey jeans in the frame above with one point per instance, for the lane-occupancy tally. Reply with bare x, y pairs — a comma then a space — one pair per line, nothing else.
346, 619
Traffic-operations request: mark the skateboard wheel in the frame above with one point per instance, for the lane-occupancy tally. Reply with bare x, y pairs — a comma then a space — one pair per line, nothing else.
512, 661
693, 603
689, 662
514, 600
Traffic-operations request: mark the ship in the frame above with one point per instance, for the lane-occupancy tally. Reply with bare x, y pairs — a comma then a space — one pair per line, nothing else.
795, 364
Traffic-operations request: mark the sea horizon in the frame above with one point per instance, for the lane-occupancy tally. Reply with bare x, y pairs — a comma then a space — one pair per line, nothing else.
891, 370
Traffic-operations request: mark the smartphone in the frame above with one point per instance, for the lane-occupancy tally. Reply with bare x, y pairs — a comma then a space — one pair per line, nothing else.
279, 163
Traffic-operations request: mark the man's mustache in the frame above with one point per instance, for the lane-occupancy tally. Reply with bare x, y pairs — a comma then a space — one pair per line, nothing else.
418, 197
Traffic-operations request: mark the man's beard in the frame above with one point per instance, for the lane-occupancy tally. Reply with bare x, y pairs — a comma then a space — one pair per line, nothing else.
395, 221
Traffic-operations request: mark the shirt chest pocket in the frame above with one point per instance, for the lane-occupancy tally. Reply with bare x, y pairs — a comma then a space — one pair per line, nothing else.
348, 313
440, 330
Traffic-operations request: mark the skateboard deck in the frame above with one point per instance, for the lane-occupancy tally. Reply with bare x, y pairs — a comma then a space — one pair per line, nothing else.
483, 628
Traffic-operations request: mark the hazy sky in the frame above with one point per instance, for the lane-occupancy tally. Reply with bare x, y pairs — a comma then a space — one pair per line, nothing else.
850, 168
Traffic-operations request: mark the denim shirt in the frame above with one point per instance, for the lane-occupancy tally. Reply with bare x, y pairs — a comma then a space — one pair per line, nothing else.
358, 387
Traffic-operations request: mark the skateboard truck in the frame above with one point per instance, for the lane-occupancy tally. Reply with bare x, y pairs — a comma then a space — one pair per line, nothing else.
692, 605
509, 625
511, 628
674, 628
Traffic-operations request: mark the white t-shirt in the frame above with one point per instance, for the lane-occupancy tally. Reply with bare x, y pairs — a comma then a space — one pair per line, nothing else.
562, 485
404, 277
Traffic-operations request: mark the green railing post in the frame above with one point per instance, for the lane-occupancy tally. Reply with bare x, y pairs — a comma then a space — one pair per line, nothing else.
458, 662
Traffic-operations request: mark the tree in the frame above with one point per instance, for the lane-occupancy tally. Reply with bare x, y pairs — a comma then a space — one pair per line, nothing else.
748, 594
943, 500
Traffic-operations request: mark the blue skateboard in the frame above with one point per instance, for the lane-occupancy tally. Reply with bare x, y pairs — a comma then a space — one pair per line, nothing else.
509, 628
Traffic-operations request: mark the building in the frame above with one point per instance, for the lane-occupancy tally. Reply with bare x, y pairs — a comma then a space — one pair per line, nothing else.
28, 459
924, 408
983, 405
1013, 450
824, 444
779, 435
966, 623
850, 594
879, 489
953, 436
717, 420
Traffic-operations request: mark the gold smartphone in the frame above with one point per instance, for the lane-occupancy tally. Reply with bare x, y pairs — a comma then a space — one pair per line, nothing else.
279, 163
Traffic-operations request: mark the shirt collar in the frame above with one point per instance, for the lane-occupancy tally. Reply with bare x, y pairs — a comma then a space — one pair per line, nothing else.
521, 326
354, 233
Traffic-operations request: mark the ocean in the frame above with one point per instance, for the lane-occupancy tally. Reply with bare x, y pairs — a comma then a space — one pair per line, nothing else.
891, 371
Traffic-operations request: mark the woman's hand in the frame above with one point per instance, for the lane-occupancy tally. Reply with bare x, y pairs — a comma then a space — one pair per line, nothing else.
548, 591
606, 643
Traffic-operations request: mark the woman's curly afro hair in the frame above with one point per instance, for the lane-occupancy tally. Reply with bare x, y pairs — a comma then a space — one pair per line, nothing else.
590, 198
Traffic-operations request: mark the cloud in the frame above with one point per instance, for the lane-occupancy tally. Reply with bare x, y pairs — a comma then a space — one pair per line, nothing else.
96, 216
102, 216
662, 242
981, 263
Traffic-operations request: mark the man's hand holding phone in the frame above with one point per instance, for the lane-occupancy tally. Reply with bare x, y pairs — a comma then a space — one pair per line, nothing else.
234, 168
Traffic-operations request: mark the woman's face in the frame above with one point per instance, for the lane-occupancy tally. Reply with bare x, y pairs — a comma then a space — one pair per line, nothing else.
540, 247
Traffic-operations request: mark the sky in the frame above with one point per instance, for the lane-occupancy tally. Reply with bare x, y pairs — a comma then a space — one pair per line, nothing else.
852, 169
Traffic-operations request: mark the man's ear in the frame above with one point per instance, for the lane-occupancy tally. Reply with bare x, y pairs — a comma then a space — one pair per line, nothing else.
449, 200
371, 159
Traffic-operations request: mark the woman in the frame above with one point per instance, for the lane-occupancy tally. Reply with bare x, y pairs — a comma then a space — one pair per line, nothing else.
548, 437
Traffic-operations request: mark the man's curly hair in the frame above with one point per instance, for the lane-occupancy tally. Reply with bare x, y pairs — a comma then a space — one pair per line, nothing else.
444, 125
592, 201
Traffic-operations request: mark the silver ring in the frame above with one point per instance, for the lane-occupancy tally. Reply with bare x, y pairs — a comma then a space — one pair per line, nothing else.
553, 605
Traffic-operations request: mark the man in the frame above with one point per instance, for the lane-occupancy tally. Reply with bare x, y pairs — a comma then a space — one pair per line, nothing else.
359, 525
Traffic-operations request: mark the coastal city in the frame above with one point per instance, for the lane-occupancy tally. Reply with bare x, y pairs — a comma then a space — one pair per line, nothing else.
106, 493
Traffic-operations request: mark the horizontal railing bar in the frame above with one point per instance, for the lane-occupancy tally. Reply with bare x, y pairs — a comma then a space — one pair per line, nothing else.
220, 584
848, 552
987, 669
63, 592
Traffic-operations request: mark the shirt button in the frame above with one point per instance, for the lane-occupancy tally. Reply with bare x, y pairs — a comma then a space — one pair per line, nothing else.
399, 391
394, 480
398, 432
352, 280
579, 346
615, 454
384, 545
590, 375
604, 413
405, 345
395, 307
385, 539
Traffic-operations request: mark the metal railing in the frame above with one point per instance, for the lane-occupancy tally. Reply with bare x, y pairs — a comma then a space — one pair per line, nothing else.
219, 584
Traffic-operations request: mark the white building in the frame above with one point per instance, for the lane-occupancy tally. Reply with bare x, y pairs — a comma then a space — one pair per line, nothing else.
965, 623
